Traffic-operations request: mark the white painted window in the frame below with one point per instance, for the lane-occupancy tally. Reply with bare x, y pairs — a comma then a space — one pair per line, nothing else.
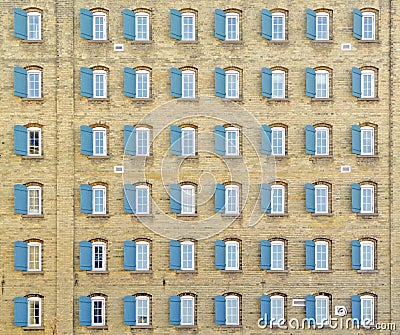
232, 310
321, 84
278, 140
367, 140
187, 255
34, 200
99, 26
188, 26
321, 198
98, 311
368, 26
367, 255
142, 199
188, 84
367, 84
277, 199
232, 255
322, 26
232, 26
321, 255
98, 256
99, 84
34, 256
142, 26
99, 199
367, 310
232, 141
99, 141
187, 310
322, 141
321, 310
142, 311
367, 198
142, 256
278, 26
34, 26
142, 141
188, 141
232, 84
34, 141
34, 312
278, 84
277, 255
232, 199
34, 78
142, 84
277, 309
188, 199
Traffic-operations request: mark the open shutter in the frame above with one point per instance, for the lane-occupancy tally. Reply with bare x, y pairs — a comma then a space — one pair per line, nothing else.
220, 255
20, 24
310, 140
86, 198
265, 198
174, 310
86, 82
357, 23
175, 24
130, 140
355, 198
266, 135
130, 310
310, 198
266, 25
174, 255
220, 90
20, 82
356, 139
356, 309
176, 82
20, 311
129, 198
129, 82
311, 24
129, 24
20, 256
20, 199
310, 255
310, 309
85, 311
176, 140
265, 302
265, 255
356, 255
310, 82
129, 255
219, 134
86, 17
86, 140
219, 201
175, 198
266, 82
220, 17
220, 318
356, 82
85, 255
20, 140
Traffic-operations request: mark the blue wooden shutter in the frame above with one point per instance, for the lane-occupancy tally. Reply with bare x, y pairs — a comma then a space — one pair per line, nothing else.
86, 18
86, 140
20, 311
86, 82
175, 198
220, 89
357, 23
219, 201
175, 24
176, 140
174, 255
219, 140
129, 24
20, 199
220, 17
356, 139
129, 198
310, 198
130, 310
265, 198
130, 140
129, 82
20, 256
20, 140
310, 140
20, 82
220, 318
310, 255
85, 255
266, 82
85, 311
129, 255
356, 309
355, 198
310, 309
86, 198
356, 255
356, 82
176, 82
20, 24
174, 310
311, 24
310, 82
266, 25
266, 134
265, 255
265, 303
220, 255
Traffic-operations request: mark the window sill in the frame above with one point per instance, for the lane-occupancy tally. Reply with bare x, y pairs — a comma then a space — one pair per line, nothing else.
232, 156
321, 214
279, 41
99, 157
32, 41
239, 42
231, 326
368, 99
134, 272
194, 157
367, 156
33, 328
233, 99
322, 99
187, 215
278, 99
321, 157
187, 42
32, 99
232, 271
277, 215
369, 41
188, 99
141, 42
321, 271
99, 41
98, 99
280, 157
144, 215
186, 326
367, 271
187, 271
33, 157
32, 216
99, 216
322, 41
141, 327
97, 327
277, 271
142, 100
230, 215
32, 272
367, 215
97, 272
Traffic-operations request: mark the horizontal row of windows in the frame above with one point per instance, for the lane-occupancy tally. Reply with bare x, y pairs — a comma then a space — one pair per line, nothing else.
228, 255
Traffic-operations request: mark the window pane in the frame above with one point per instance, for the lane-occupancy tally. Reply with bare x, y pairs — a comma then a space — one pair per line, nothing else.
276, 309
34, 313
232, 143
187, 311
367, 85
367, 141
232, 200
278, 32
33, 26
188, 85
321, 311
367, 199
321, 142
321, 200
321, 85
142, 307
366, 256
367, 316
34, 85
188, 27
142, 198
321, 253
98, 317
322, 27
278, 85
232, 256
99, 139
232, 28
34, 201
142, 32
368, 26
99, 201
187, 256
187, 200
232, 309
277, 200
98, 257
34, 142
142, 142
99, 27
278, 138
142, 256
99, 81
142, 84
277, 256
34, 257
188, 142
232, 82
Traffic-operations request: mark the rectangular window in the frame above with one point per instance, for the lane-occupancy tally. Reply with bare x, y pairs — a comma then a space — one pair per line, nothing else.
321, 310
188, 199
188, 141
367, 199
99, 26
142, 84
277, 199
278, 84
99, 200
321, 141
99, 256
278, 141
34, 26
277, 255
98, 312
34, 311
99, 141
232, 27
232, 255
231, 200
142, 26
368, 26
34, 141
367, 84
322, 28
187, 258
142, 141
232, 310
367, 255
367, 141
142, 311
187, 311
34, 83
34, 256
232, 84
278, 26
142, 200
188, 84
321, 255
367, 311
142, 256
321, 199
100, 84
321, 84
277, 309
232, 141
34, 200
188, 26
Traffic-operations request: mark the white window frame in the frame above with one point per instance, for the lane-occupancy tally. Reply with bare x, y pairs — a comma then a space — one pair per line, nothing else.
273, 203
104, 15
275, 130
103, 311
103, 249
100, 73
232, 188
104, 190
147, 246
143, 187
281, 300
34, 72
237, 313
236, 245
370, 245
235, 74
142, 15
142, 298
325, 130
34, 188
34, 300
326, 188
325, 318
183, 245
191, 75
236, 17
32, 130
282, 245
192, 133
193, 16
147, 131
364, 16
364, 130
190, 206
326, 245
321, 15
39, 15
372, 188
326, 75
39, 255
236, 131
187, 298
147, 74
104, 131
275, 74
364, 74
283, 16
363, 321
